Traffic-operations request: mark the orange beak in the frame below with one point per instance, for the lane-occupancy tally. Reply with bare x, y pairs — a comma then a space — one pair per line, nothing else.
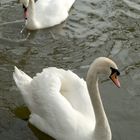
114, 78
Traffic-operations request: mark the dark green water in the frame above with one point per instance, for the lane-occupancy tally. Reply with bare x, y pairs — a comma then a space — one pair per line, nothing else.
94, 28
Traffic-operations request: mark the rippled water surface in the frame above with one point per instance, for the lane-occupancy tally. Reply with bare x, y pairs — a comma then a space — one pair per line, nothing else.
94, 28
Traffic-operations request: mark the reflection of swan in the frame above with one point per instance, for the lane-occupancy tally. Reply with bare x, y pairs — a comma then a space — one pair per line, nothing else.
60, 104
45, 13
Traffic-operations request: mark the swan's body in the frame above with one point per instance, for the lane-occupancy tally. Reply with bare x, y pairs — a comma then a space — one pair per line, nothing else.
60, 104
45, 13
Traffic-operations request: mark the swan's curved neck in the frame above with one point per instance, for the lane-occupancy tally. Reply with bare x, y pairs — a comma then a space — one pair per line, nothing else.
92, 83
32, 22
31, 9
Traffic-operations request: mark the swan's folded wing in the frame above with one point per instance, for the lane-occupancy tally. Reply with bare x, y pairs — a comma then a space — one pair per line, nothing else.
51, 105
74, 89
57, 106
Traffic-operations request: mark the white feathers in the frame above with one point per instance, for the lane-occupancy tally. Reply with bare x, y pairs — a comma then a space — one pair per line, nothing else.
58, 101
21, 78
46, 13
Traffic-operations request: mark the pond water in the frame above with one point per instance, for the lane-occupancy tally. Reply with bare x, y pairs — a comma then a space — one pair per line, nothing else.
94, 28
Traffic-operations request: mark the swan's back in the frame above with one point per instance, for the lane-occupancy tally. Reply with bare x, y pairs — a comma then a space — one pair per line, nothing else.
58, 101
50, 12
64, 83
55, 3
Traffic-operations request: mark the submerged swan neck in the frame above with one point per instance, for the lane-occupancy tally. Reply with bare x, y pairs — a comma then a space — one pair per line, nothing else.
92, 84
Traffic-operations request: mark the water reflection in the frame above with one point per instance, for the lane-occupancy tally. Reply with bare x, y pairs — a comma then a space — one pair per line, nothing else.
23, 113
40, 135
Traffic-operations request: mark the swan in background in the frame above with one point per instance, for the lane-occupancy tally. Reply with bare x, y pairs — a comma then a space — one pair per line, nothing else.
64, 105
45, 13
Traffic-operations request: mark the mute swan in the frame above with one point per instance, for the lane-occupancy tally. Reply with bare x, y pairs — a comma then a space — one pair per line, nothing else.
45, 13
60, 102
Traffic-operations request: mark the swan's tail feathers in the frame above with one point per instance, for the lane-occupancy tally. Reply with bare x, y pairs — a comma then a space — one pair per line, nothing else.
21, 79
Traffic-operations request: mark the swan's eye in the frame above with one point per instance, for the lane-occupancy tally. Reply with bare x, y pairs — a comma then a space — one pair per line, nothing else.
113, 70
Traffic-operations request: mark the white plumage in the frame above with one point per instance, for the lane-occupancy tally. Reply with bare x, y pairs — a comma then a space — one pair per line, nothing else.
57, 99
64, 105
46, 13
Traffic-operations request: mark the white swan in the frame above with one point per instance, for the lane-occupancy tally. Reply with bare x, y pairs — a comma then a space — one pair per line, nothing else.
45, 13
60, 104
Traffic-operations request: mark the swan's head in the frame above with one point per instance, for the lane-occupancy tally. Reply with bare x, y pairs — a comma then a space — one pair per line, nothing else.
25, 7
103, 65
